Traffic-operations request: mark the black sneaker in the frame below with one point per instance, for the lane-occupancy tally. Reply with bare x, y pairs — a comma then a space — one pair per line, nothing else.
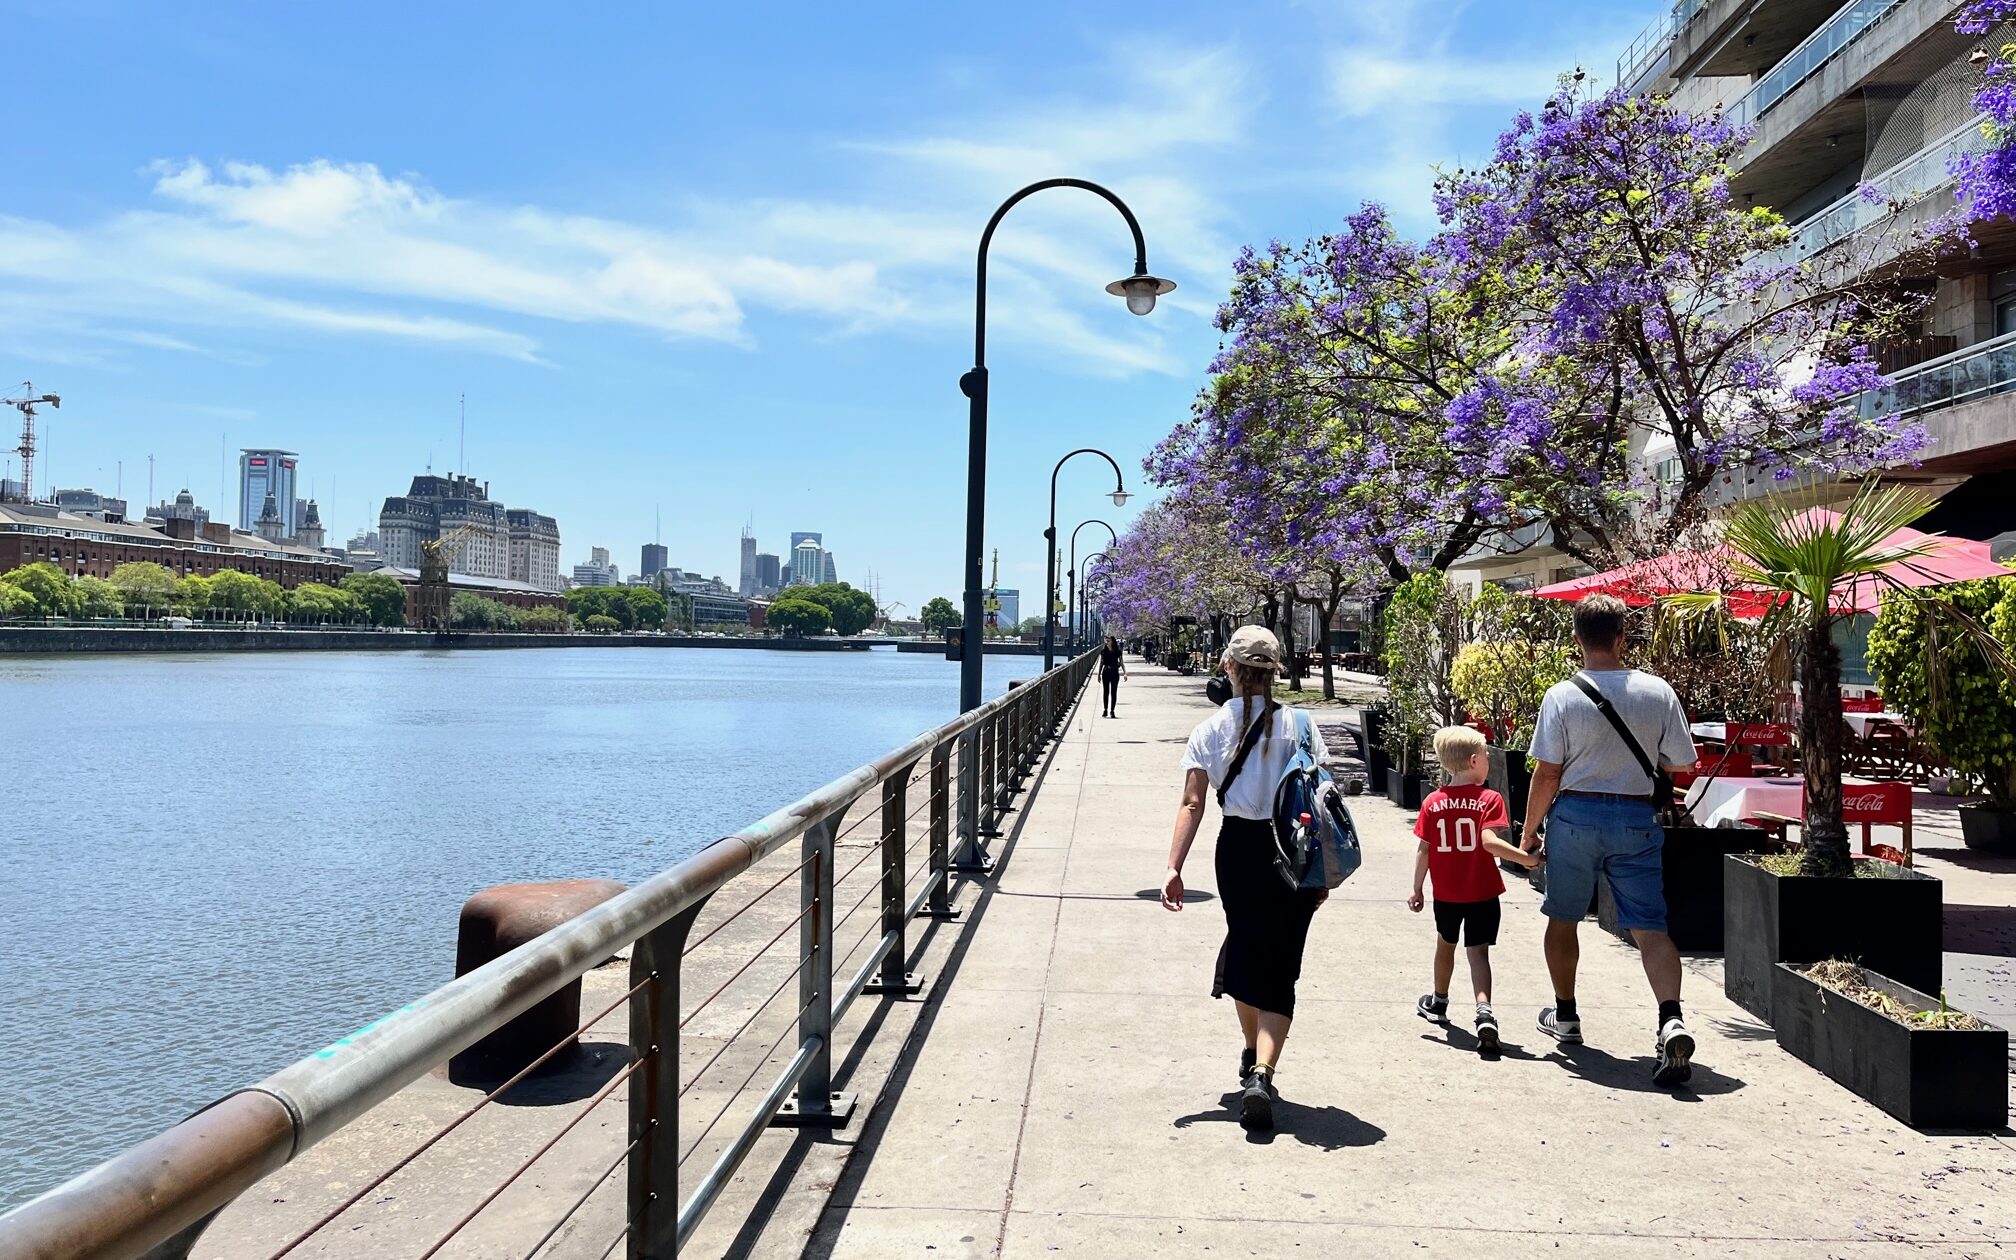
1487, 1031
1256, 1102
1433, 1009
1247, 1058
1676, 1055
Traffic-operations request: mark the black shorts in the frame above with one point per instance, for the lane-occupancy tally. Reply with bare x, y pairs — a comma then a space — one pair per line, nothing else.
1477, 919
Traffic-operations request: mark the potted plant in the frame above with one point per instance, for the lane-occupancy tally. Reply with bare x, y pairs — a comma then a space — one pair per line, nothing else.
1796, 567
1905, 1051
1955, 697
1426, 624
1518, 649
1372, 724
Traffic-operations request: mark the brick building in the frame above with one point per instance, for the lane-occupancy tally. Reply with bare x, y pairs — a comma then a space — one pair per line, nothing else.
35, 532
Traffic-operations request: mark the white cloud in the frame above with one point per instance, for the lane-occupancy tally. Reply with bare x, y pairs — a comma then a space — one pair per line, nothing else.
347, 248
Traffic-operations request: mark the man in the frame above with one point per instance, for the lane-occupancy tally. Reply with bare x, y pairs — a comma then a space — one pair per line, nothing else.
1594, 792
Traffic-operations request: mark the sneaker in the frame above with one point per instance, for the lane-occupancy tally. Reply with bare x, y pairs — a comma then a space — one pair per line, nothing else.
1247, 1058
1433, 1009
1676, 1055
1256, 1102
1487, 1031
1566, 1031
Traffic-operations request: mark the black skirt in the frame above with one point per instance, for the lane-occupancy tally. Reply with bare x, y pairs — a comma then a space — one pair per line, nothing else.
1266, 921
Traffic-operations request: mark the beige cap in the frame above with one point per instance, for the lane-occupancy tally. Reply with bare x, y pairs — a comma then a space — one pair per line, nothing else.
1254, 645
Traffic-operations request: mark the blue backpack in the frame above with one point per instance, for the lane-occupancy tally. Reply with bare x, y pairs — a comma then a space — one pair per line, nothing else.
1315, 841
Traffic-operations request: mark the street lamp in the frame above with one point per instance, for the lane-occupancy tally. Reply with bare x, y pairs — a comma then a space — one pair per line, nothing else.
1140, 289
1072, 643
1119, 497
1086, 614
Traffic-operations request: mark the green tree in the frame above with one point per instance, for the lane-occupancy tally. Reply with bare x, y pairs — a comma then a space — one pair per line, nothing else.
939, 615
15, 602
382, 597
144, 587
797, 617
48, 586
603, 601
602, 623
242, 593
543, 620
1949, 690
192, 596
95, 597
316, 603
851, 611
467, 611
647, 607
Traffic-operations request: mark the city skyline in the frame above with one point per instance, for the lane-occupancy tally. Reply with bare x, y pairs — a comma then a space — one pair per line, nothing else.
633, 316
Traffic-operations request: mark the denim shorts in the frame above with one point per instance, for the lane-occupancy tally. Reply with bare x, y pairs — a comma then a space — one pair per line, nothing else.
1619, 839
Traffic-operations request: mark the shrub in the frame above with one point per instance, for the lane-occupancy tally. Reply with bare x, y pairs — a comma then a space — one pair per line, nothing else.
1426, 624
1957, 699
1502, 682
602, 623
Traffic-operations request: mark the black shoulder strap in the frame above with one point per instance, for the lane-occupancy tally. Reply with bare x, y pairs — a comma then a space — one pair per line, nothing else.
1253, 730
1604, 707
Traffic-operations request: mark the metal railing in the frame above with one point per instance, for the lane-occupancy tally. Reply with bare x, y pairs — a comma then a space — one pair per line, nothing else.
156, 1199
1849, 24
1947, 381
1656, 38
1906, 183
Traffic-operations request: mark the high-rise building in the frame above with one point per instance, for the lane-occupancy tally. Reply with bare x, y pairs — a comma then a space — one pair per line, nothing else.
652, 561
769, 574
533, 543
264, 472
808, 562
598, 571
437, 505
1009, 614
747, 586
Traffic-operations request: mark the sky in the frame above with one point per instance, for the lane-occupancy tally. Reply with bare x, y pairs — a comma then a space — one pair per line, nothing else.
694, 266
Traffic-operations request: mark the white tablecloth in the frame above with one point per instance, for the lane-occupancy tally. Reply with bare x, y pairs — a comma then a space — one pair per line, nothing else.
1859, 722
1725, 799
1713, 732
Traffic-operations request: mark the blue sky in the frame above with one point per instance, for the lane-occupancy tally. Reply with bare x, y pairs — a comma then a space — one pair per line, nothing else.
712, 261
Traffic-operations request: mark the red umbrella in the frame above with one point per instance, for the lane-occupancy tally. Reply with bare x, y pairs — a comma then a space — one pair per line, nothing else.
1643, 581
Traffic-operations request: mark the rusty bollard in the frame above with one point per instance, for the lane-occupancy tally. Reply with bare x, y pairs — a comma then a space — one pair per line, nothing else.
496, 921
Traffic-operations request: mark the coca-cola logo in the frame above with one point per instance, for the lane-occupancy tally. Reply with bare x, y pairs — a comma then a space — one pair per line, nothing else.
1867, 803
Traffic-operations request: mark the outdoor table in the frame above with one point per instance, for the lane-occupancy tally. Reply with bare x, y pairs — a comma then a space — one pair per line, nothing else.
1728, 800
1860, 722
1713, 732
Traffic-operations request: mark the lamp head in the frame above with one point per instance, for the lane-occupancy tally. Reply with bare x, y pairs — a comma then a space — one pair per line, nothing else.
1141, 290
1120, 497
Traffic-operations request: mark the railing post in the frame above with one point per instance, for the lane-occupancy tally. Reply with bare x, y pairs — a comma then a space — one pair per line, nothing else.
895, 916
973, 859
815, 1104
940, 904
654, 1089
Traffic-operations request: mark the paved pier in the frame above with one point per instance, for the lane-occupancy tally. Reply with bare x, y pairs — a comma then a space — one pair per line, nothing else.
1071, 1096
1063, 1089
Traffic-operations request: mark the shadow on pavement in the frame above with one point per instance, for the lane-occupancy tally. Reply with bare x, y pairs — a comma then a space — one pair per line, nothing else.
1325, 1128
1600, 1067
1989, 930
568, 1078
1466, 1041
1191, 896
1972, 859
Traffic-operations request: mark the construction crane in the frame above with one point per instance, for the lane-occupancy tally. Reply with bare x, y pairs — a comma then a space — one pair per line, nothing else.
430, 594
26, 405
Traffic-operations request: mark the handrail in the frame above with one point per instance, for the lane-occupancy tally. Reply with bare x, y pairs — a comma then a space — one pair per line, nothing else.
1848, 24
1945, 381
165, 1189
1657, 36
1902, 183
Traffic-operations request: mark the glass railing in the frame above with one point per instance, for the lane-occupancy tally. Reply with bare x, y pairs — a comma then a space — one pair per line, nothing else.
1654, 40
1915, 178
1803, 62
1947, 381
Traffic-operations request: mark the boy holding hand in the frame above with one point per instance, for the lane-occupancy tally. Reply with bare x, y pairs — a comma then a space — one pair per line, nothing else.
1462, 830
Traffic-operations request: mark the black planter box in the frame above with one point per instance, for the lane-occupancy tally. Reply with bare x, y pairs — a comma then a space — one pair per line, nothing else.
1927, 1077
1379, 768
1987, 829
1403, 790
1891, 925
1511, 776
1693, 865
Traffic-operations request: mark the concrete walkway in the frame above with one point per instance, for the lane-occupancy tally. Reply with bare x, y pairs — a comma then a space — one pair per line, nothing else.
1066, 1091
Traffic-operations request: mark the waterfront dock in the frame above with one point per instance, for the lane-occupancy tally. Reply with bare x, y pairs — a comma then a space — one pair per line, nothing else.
1062, 1088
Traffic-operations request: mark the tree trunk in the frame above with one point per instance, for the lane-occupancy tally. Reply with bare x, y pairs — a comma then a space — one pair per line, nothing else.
1288, 639
1326, 615
1825, 835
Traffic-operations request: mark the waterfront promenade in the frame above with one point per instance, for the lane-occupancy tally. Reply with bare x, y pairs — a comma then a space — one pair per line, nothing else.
1062, 1090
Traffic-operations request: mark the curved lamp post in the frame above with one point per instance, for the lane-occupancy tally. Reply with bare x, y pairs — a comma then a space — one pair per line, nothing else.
1119, 497
1140, 289
1072, 576
1086, 616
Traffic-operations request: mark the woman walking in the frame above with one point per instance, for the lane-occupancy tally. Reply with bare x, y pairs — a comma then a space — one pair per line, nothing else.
1240, 752
1112, 668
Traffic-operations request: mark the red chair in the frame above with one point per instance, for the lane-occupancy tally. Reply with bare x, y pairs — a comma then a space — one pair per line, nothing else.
1862, 704
1879, 805
1759, 735
1729, 764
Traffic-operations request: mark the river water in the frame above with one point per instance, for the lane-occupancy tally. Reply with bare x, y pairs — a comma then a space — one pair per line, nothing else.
211, 865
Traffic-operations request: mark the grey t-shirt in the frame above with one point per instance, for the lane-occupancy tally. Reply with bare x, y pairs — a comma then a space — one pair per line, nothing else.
1593, 757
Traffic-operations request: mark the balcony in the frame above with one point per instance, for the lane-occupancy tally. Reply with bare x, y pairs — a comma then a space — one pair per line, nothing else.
1849, 23
1914, 179
1978, 371
1655, 41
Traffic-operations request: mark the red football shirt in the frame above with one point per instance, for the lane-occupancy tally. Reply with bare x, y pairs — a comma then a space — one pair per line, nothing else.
1452, 821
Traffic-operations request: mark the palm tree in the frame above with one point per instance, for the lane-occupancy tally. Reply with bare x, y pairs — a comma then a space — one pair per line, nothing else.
1801, 564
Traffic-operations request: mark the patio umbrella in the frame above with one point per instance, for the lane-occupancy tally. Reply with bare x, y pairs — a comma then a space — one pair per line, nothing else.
1644, 581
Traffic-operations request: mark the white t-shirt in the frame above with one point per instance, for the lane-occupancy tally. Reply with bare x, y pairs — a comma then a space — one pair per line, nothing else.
1216, 741
1573, 733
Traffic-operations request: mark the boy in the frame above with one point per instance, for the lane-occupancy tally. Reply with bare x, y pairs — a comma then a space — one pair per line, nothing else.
1461, 829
